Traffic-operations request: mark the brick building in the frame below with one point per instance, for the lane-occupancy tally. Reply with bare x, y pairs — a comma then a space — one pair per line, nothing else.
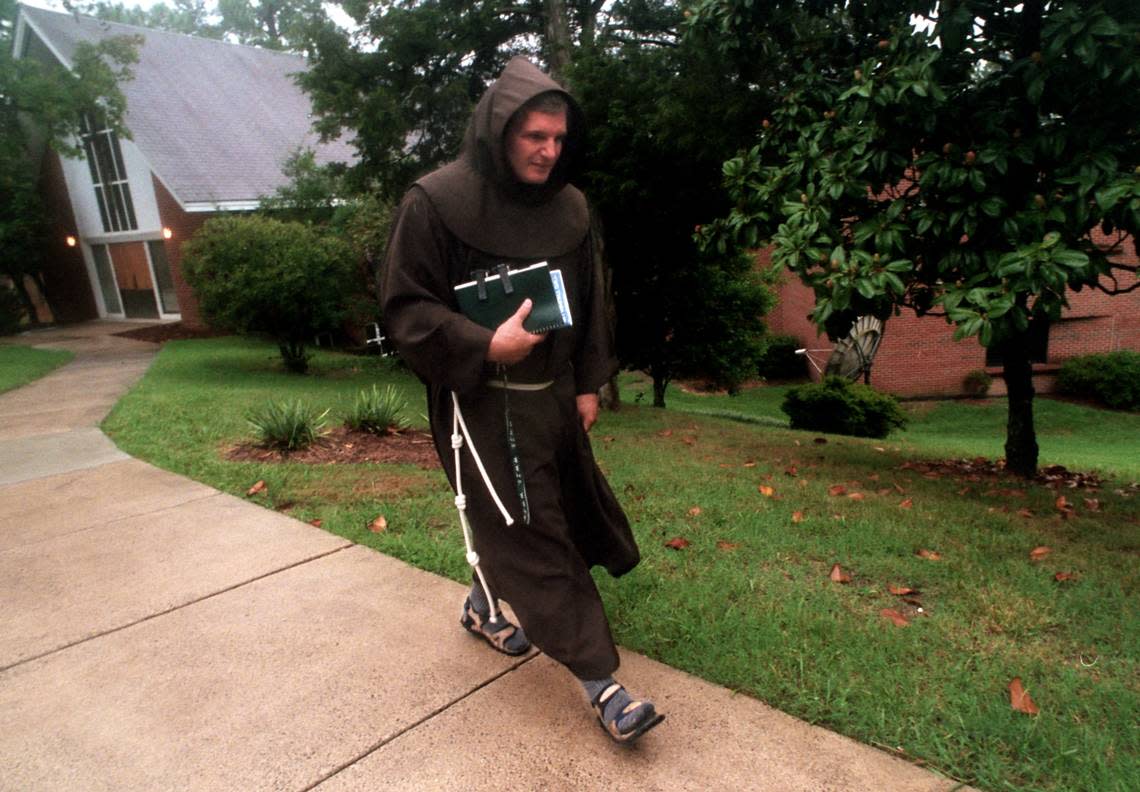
919, 357
211, 126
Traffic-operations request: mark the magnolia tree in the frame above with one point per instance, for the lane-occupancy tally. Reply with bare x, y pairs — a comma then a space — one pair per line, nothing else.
971, 160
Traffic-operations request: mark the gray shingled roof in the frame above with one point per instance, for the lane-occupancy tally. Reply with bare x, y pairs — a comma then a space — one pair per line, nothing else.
215, 120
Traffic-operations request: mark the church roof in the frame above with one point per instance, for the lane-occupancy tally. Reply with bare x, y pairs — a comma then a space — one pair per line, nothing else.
215, 120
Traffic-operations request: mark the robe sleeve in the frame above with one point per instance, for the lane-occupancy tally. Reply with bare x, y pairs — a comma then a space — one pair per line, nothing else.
594, 360
418, 305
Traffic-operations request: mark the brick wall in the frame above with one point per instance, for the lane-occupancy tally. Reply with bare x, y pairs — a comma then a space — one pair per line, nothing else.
919, 357
183, 225
65, 274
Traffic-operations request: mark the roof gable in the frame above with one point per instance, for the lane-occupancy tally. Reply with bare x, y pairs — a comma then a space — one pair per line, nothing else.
215, 120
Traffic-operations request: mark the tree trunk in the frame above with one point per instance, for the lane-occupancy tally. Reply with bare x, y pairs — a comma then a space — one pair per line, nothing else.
660, 383
557, 38
26, 299
1020, 437
610, 396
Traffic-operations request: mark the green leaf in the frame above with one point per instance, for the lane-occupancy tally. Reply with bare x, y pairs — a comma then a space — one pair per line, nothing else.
1073, 259
1107, 198
987, 334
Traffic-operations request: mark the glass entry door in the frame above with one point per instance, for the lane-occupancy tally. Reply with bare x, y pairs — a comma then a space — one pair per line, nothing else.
132, 273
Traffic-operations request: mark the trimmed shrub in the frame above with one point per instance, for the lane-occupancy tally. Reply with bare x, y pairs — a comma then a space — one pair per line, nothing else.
839, 406
379, 411
977, 383
287, 425
1112, 378
258, 275
780, 361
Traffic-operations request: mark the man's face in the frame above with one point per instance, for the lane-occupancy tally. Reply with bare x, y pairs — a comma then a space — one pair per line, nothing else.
534, 145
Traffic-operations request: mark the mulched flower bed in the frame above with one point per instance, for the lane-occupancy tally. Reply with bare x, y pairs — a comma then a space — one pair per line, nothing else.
347, 446
170, 331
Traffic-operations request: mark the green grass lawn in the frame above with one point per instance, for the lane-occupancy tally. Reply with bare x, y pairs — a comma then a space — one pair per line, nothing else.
748, 603
20, 365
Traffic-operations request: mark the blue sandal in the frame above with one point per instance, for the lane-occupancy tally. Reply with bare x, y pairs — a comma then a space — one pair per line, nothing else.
502, 636
625, 724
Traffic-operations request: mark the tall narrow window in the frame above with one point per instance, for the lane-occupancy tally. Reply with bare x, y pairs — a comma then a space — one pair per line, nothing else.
105, 161
162, 277
106, 276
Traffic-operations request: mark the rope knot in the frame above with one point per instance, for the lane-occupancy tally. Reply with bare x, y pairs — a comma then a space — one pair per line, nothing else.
461, 502
472, 558
457, 441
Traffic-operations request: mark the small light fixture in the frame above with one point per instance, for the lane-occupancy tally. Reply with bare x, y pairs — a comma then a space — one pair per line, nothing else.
167, 233
72, 241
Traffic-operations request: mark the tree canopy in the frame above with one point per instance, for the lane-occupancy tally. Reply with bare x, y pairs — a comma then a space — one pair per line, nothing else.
405, 84
976, 166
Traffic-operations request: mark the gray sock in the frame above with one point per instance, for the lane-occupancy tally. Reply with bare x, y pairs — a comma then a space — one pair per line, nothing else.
595, 686
479, 599
611, 710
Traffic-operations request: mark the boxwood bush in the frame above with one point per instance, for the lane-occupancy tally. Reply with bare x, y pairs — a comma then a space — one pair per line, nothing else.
839, 406
254, 274
1112, 378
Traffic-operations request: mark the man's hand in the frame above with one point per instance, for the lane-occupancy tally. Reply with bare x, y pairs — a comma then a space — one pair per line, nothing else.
511, 343
588, 409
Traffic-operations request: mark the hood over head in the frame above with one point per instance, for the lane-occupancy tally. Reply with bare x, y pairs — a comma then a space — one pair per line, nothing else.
478, 196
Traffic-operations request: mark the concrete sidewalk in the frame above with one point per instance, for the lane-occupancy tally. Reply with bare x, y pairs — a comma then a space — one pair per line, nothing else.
157, 634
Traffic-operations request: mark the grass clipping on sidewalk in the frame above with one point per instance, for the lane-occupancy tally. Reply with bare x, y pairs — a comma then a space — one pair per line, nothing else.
852, 583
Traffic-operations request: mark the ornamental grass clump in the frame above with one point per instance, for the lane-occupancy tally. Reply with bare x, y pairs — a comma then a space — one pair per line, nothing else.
289, 425
379, 411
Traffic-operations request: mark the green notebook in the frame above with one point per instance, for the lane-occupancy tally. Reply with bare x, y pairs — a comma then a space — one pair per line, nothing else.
495, 298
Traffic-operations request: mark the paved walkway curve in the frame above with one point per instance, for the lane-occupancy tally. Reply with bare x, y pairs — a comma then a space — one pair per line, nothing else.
156, 634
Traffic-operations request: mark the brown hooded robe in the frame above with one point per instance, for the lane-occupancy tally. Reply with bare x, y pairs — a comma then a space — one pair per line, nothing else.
471, 215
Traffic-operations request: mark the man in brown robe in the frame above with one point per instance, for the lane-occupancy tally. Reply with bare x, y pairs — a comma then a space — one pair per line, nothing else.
526, 400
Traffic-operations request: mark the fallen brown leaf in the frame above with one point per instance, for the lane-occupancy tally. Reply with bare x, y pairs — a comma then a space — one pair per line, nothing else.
688, 440
693, 512
906, 504
964, 491
1092, 504
857, 496
929, 555
791, 471
379, 525
723, 545
1025, 512
750, 464
678, 543
1037, 553
901, 591
797, 516
766, 491
837, 490
256, 488
1061, 577
317, 522
665, 433
1019, 698
900, 490
896, 617
838, 575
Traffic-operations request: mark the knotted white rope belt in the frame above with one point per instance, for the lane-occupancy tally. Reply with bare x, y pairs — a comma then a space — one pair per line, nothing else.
459, 435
